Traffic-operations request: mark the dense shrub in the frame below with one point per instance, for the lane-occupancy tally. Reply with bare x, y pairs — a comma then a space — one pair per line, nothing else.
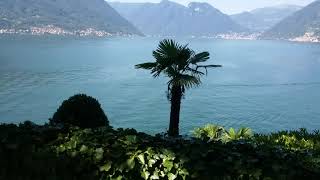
82, 111
126, 154
211, 132
298, 140
25, 154
103, 153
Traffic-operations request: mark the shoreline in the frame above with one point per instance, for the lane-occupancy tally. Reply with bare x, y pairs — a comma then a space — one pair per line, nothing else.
57, 31
90, 32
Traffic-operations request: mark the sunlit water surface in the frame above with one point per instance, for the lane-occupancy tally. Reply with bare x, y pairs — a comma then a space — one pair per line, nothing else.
264, 85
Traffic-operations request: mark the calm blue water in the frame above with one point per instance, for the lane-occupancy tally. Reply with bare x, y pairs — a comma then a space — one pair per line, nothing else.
264, 85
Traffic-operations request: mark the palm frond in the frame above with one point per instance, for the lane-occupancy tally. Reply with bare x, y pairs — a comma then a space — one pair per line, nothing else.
200, 57
207, 66
167, 49
195, 72
171, 72
179, 63
157, 70
209, 132
148, 65
184, 55
242, 133
167, 53
185, 81
245, 132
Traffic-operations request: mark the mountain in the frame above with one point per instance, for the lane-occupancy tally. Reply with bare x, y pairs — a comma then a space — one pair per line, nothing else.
127, 9
172, 19
304, 23
69, 15
261, 19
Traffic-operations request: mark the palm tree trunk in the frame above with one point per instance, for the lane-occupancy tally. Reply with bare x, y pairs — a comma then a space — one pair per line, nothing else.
176, 95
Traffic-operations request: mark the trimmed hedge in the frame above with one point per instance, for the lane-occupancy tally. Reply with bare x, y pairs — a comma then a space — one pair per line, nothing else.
82, 111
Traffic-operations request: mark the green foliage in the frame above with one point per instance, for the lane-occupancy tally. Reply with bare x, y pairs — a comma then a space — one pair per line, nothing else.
82, 111
40, 152
121, 154
24, 154
242, 133
211, 132
293, 140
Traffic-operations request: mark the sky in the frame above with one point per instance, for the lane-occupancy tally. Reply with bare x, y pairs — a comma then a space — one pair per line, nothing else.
235, 6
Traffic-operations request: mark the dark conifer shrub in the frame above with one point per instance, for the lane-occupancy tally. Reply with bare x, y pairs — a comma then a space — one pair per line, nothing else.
82, 111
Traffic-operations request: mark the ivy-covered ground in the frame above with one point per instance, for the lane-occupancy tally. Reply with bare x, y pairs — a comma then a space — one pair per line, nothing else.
31, 152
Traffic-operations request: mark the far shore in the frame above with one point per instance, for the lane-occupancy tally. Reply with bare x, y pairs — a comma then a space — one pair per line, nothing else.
90, 32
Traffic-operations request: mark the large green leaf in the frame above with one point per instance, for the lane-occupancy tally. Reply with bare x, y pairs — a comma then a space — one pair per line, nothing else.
99, 153
106, 167
131, 163
168, 164
141, 159
145, 174
171, 176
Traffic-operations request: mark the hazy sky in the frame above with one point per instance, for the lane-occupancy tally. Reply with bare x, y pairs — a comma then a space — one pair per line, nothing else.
234, 6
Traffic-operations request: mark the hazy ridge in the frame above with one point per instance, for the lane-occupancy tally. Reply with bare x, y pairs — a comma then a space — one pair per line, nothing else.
263, 19
303, 25
69, 15
172, 19
98, 18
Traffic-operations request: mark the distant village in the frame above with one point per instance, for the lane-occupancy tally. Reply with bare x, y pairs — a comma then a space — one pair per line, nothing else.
307, 37
53, 30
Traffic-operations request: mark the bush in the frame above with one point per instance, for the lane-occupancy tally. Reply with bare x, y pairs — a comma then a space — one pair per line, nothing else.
298, 140
25, 154
211, 132
126, 154
82, 111
27, 125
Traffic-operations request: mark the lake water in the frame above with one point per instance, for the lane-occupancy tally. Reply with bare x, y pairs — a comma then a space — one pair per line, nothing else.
264, 85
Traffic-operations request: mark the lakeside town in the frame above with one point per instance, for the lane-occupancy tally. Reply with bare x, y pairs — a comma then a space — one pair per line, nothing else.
53, 30
307, 37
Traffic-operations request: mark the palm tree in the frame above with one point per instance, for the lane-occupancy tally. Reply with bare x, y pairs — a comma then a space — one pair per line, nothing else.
181, 65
